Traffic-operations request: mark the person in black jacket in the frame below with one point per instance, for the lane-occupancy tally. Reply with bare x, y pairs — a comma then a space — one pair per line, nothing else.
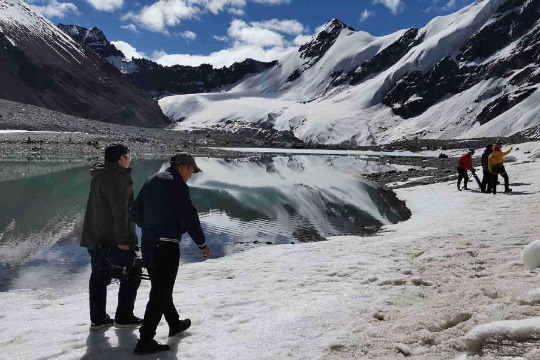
163, 210
109, 234
486, 179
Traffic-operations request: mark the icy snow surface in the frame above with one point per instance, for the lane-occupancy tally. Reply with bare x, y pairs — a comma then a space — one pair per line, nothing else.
443, 283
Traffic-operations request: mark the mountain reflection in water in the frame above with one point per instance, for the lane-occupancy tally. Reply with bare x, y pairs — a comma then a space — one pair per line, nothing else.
242, 203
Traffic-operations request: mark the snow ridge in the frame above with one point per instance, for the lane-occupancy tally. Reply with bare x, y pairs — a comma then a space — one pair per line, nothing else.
312, 97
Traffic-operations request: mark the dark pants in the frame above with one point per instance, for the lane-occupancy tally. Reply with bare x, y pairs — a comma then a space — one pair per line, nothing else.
496, 171
99, 280
462, 174
161, 259
486, 185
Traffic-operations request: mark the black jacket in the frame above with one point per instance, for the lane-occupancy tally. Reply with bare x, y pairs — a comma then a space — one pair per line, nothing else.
106, 220
163, 208
485, 157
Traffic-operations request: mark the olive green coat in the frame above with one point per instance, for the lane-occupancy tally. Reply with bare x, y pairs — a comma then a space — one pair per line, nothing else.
106, 220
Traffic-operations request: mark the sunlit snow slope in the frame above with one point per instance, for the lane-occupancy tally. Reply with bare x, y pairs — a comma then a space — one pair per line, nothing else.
469, 74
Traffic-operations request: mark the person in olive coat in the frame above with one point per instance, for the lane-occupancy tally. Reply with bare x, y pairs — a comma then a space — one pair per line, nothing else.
108, 233
163, 210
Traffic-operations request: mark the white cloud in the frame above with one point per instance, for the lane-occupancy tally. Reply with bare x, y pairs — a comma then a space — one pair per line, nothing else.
221, 38
128, 50
163, 14
188, 35
365, 15
448, 6
106, 5
394, 5
236, 12
264, 41
53, 8
217, 6
291, 27
130, 27
224, 57
243, 33
301, 39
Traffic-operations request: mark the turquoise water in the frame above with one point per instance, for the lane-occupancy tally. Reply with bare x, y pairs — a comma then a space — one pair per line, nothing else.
243, 203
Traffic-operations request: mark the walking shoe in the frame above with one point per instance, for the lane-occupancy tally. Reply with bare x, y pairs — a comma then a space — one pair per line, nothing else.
178, 328
132, 323
465, 188
101, 324
507, 190
149, 347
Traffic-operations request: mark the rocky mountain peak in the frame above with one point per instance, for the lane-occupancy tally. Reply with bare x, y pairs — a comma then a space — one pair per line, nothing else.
335, 26
94, 38
320, 43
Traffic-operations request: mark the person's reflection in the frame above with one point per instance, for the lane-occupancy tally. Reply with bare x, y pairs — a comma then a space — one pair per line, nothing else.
98, 345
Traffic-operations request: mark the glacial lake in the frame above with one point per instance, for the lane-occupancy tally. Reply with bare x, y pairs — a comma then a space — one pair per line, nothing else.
264, 200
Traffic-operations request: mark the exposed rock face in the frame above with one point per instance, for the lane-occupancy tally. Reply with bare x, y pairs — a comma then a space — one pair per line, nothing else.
387, 57
315, 49
41, 65
319, 45
516, 21
94, 38
159, 80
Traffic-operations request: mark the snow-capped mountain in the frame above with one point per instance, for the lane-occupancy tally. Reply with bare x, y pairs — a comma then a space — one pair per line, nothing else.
158, 80
41, 65
473, 73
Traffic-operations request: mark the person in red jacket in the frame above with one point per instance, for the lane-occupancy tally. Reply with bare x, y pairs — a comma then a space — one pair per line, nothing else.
465, 163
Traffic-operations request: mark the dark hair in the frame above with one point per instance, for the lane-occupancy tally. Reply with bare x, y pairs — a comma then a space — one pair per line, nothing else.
114, 152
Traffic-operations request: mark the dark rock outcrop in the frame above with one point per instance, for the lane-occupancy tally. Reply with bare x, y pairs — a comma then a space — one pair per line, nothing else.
94, 38
387, 57
161, 81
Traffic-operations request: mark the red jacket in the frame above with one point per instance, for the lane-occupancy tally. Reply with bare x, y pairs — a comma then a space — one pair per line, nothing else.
465, 161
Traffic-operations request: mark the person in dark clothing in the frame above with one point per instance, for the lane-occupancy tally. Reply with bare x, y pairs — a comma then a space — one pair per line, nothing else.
109, 234
487, 178
163, 209
464, 164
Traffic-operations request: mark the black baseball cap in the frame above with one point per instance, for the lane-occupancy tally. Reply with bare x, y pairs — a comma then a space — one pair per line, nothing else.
184, 158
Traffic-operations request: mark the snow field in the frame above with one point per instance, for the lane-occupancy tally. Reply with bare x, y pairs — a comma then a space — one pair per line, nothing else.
446, 284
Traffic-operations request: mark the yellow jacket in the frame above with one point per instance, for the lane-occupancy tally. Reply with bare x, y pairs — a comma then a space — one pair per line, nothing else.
496, 157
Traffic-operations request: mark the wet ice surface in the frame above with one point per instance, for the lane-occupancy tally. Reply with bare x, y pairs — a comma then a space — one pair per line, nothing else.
243, 204
447, 284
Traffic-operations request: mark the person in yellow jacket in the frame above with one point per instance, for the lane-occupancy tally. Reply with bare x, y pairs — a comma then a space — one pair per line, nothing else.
496, 167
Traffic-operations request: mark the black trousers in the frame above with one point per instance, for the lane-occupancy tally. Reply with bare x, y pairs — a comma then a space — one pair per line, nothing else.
99, 280
161, 259
462, 174
499, 170
486, 181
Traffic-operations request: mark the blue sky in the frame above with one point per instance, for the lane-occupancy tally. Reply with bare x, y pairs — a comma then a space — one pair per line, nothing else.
220, 32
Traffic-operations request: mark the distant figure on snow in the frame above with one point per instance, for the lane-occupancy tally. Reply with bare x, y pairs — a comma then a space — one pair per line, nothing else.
465, 163
496, 167
164, 211
486, 180
108, 233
